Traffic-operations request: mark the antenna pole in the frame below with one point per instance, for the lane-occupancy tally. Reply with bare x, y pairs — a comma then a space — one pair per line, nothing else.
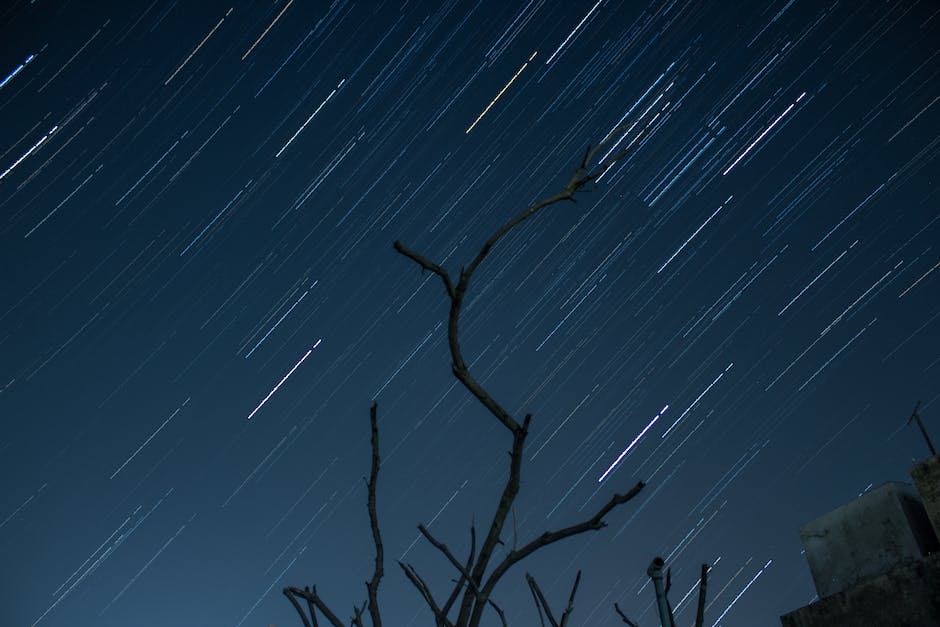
916, 416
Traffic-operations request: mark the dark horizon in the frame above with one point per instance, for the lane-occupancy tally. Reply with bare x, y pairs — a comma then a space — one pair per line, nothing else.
202, 300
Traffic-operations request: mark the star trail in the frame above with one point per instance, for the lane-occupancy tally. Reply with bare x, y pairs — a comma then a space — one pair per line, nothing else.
201, 299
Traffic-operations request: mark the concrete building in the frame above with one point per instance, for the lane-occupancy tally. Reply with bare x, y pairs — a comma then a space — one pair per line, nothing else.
875, 561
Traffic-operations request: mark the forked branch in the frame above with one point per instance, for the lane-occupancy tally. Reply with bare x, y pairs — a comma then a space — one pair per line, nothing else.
477, 593
542, 605
473, 580
314, 602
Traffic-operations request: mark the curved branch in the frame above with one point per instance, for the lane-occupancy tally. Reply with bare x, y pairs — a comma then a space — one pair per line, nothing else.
475, 598
427, 265
300, 610
372, 586
499, 611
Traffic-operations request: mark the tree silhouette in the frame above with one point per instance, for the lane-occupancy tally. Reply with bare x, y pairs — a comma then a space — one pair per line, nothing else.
481, 571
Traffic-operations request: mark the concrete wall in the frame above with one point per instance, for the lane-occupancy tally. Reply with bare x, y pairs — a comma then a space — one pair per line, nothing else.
906, 596
867, 537
926, 477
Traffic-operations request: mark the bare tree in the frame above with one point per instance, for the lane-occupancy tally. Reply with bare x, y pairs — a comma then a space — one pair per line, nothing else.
482, 570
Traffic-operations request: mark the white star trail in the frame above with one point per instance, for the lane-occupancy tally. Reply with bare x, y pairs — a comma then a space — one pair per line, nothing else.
281, 382
696, 232
762, 135
500, 94
9, 77
632, 444
196, 49
307, 121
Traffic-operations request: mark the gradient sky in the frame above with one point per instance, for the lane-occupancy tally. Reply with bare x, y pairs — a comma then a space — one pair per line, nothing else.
201, 300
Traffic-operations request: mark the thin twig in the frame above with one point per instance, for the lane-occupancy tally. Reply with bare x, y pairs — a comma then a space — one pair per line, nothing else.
425, 591
499, 611
624, 616
535, 597
574, 590
464, 573
540, 601
450, 556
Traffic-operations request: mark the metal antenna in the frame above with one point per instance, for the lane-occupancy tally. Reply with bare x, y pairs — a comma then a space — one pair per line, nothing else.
916, 416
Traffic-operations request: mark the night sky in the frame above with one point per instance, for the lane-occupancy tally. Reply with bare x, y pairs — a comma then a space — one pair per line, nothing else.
201, 299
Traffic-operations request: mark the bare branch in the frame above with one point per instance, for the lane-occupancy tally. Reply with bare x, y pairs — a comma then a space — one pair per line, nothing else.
702, 583
427, 265
535, 597
425, 591
464, 576
356, 620
313, 611
570, 608
467, 607
594, 523
300, 610
310, 594
576, 183
540, 601
372, 586
624, 616
502, 616
440, 546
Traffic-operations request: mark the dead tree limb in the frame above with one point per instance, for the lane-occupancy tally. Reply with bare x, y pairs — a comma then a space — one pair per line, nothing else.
475, 584
439, 617
464, 573
372, 586
624, 616
499, 612
570, 607
300, 610
541, 604
702, 583
314, 602
595, 523
477, 593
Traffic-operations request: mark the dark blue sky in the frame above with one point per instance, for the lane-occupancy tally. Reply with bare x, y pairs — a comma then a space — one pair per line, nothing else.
198, 207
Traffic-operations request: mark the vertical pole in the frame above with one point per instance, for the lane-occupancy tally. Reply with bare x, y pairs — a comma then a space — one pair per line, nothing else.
655, 571
916, 416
